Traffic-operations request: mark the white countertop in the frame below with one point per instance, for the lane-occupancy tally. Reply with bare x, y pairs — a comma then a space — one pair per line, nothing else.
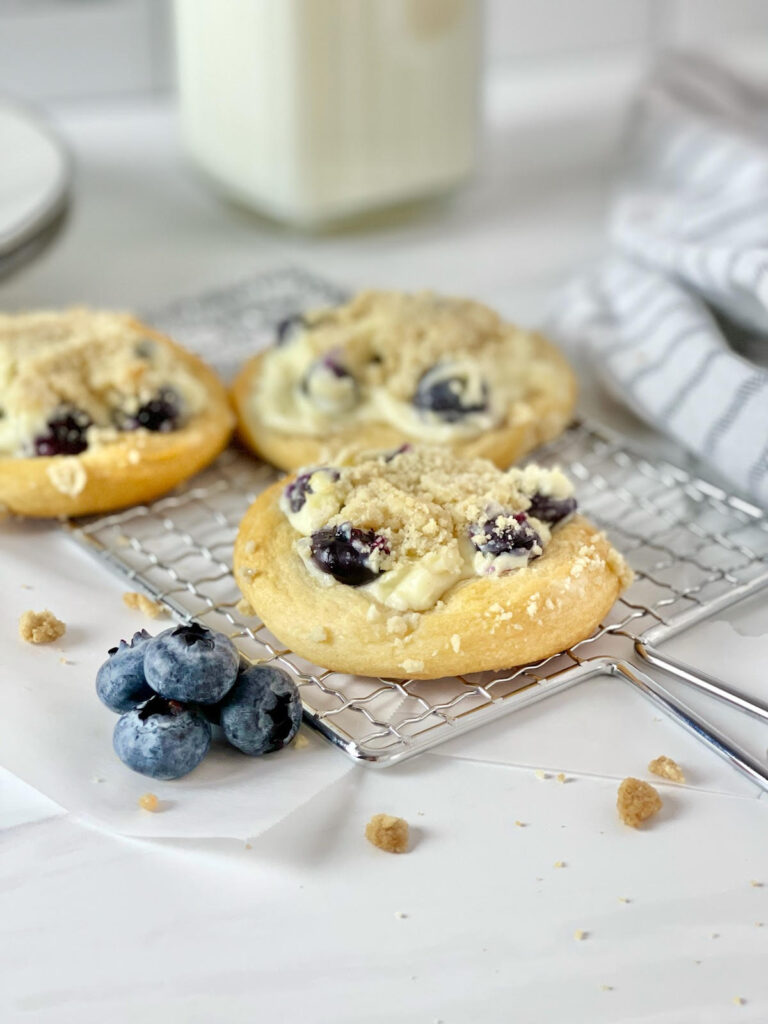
301, 924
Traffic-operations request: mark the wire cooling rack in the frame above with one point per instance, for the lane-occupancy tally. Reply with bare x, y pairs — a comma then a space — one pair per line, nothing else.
694, 549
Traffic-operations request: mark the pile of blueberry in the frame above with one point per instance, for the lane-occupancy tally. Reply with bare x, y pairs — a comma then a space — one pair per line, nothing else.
170, 690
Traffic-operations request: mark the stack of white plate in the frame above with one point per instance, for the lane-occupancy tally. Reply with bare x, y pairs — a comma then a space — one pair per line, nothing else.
35, 178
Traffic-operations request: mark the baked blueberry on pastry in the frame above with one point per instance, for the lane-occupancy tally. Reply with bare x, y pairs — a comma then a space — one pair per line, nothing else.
388, 368
99, 411
416, 562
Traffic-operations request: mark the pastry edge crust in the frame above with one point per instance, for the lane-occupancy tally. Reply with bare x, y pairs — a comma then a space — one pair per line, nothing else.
112, 480
291, 603
502, 445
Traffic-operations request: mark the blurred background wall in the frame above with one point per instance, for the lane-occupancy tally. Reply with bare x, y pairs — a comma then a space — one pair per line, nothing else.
64, 50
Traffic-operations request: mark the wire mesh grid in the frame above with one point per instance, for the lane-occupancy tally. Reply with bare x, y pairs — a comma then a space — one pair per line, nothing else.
694, 549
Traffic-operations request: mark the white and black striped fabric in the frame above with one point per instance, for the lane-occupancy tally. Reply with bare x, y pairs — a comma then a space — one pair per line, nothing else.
676, 317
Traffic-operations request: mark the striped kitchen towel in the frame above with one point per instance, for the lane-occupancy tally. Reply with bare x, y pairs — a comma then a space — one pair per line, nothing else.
676, 316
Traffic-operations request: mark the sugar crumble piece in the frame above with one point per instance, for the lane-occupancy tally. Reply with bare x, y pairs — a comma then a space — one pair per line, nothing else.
250, 547
40, 627
388, 833
400, 915
580, 935
412, 665
666, 768
559, 864
244, 607
456, 643
300, 742
561, 777
319, 635
149, 802
637, 801
141, 603
739, 1001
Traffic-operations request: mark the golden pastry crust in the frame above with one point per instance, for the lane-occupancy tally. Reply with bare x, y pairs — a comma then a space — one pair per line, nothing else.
480, 624
135, 467
540, 415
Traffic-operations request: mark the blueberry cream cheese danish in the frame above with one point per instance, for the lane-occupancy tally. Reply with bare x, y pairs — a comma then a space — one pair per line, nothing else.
389, 367
99, 411
418, 563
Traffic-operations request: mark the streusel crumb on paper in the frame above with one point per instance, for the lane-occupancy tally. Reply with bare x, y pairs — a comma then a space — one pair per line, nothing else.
666, 768
40, 627
388, 833
141, 603
637, 801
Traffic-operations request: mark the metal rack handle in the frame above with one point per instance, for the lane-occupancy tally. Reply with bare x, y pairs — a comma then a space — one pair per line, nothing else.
695, 724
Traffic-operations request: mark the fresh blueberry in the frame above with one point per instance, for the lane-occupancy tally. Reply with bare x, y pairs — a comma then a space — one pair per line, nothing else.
65, 433
329, 384
160, 414
262, 711
120, 682
289, 328
191, 663
551, 510
446, 390
162, 738
297, 490
343, 551
514, 538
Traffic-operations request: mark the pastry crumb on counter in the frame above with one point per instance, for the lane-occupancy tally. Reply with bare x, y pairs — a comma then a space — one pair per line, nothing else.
65, 661
388, 833
560, 864
666, 768
141, 603
637, 801
244, 607
561, 777
300, 742
755, 884
606, 988
149, 802
541, 774
521, 824
40, 627
580, 935
400, 915
739, 1001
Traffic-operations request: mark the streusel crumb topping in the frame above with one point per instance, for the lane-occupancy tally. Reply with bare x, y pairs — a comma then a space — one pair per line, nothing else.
98, 368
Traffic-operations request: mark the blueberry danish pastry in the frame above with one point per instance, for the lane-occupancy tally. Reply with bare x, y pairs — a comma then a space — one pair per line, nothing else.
99, 411
389, 367
416, 562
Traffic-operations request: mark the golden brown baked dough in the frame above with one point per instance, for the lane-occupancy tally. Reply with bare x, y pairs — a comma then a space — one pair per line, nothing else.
457, 329
128, 467
480, 623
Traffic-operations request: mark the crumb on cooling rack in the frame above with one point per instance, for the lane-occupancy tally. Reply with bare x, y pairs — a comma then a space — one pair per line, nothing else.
244, 607
40, 627
637, 801
388, 833
666, 768
141, 603
149, 802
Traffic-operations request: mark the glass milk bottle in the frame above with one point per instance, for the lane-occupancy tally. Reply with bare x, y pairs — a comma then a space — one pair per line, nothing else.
314, 110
